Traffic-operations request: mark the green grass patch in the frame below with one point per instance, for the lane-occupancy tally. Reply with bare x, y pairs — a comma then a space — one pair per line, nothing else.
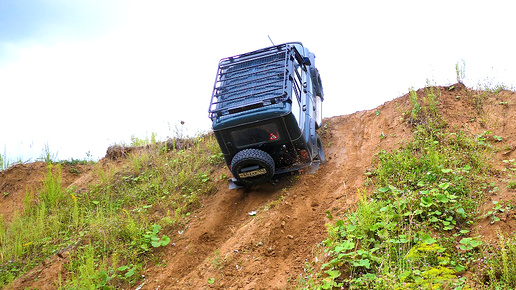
39, 231
4, 162
413, 231
111, 231
497, 268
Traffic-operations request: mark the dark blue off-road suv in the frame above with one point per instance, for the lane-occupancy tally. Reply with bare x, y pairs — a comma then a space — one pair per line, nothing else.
266, 108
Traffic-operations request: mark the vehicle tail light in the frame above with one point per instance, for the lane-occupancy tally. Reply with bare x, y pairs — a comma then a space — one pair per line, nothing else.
304, 154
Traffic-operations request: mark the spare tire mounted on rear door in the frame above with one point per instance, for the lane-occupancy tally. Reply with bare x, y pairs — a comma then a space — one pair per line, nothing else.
252, 166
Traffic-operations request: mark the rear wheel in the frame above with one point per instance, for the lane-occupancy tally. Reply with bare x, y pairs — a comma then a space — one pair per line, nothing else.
252, 166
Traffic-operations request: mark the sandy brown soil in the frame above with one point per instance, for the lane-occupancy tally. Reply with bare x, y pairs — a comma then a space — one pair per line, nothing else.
226, 245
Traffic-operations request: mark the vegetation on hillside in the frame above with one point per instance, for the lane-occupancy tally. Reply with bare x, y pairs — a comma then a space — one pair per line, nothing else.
413, 228
4, 162
111, 231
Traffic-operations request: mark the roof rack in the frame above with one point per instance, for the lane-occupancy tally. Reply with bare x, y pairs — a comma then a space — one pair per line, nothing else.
252, 80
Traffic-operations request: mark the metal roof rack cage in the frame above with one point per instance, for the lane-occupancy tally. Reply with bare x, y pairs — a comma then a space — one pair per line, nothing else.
252, 80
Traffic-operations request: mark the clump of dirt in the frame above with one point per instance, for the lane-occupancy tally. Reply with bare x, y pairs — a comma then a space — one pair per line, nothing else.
261, 238
118, 151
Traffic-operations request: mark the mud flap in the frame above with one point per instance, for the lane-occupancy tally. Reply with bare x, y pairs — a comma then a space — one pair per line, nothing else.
314, 166
235, 184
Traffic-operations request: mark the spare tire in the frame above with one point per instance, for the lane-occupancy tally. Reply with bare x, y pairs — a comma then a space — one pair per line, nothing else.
252, 166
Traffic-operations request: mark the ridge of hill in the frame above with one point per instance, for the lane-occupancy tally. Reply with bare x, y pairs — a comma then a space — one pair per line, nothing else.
263, 237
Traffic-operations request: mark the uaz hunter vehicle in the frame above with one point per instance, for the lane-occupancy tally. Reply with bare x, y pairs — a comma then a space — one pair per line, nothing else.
265, 108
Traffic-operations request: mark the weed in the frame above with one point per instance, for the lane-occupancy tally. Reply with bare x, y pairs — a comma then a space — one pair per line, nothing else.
468, 244
495, 88
217, 158
4, 162
498, 138
40, 231
151, 238
47, 156
274, 203
217, 260
416, 108
498, 208
496, 268
460, 71
431, 99
511, 184
478, 102
136, 142
423, 110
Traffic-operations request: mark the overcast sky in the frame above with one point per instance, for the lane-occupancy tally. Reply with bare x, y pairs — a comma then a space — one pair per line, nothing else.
82, 75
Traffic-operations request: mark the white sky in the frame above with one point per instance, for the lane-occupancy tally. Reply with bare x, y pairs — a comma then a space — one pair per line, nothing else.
83, 75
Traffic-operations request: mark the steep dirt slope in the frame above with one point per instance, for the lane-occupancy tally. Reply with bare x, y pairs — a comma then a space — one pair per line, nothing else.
266, 251
224, 246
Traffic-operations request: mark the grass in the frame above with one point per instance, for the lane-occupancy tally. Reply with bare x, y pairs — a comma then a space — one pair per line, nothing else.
413, 228
38, 232
423, 107
4, 162
46, 156
111, 231
460, 71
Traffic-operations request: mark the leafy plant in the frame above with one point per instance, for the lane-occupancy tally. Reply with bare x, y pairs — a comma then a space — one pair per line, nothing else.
497, 208
151, 237
498, 138
468, 244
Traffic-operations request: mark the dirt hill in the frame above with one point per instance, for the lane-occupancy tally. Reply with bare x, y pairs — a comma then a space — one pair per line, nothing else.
261, 238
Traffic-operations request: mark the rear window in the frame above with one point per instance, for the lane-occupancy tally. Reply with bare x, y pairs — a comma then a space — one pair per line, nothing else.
255, 135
